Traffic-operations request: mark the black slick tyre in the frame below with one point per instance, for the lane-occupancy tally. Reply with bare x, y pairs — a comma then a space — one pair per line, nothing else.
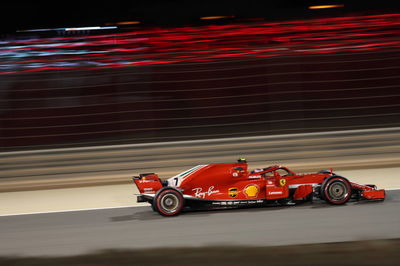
153, 206
336, 190
168, 202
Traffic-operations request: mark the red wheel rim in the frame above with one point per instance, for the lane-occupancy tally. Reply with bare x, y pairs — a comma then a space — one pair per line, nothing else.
169, 202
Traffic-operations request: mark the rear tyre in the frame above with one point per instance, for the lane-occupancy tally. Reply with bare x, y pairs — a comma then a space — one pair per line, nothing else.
168, 202
336, 190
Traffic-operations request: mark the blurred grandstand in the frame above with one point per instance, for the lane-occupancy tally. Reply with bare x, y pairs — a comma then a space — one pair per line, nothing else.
152, 84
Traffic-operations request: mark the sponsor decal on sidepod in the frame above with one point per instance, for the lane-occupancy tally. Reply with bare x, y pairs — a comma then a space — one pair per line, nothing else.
198, 192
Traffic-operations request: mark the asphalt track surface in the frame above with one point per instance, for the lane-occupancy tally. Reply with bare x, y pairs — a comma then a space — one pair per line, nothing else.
70, 233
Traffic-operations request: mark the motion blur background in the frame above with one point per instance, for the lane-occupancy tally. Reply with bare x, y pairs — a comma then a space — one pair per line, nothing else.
183, 70
79, 80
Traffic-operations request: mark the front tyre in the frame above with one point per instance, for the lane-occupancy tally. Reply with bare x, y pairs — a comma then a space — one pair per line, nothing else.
336, 190
168, 202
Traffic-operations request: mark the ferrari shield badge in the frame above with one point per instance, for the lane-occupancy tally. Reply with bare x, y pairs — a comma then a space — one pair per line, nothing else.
233, 192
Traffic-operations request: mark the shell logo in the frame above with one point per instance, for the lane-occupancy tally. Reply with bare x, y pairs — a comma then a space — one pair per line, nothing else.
251, 190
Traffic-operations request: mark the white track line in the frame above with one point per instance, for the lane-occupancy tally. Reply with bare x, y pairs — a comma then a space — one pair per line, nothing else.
73, 210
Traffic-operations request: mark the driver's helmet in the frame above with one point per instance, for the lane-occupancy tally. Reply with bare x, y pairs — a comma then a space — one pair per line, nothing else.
242, 160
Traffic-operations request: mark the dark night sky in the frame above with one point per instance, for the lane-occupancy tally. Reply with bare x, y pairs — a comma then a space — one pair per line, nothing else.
19, 15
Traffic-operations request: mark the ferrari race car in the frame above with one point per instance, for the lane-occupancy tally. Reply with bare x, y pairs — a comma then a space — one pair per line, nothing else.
231, 185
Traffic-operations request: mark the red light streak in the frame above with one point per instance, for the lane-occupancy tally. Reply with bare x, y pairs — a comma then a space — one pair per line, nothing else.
194, 44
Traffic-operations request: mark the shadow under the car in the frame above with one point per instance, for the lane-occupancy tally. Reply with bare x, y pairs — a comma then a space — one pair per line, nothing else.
148, 214
145, 215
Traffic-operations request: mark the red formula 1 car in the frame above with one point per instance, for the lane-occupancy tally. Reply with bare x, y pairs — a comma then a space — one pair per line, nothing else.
232, 185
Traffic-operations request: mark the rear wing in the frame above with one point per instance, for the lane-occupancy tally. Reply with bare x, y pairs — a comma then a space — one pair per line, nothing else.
148, 183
